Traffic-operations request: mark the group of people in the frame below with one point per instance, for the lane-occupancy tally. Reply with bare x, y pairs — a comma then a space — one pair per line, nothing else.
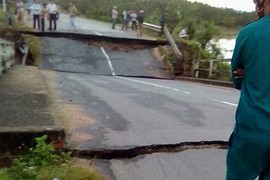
129, 17
42, 12
39, 12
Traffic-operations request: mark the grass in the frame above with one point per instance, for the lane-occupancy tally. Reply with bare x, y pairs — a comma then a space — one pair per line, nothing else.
4, 174
62, 172
68, 173
34, 48
168, 59
41, 162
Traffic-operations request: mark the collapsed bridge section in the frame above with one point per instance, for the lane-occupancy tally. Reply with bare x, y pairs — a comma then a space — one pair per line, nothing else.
101, 55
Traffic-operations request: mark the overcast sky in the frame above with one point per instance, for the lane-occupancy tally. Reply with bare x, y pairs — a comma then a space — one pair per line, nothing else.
242, 5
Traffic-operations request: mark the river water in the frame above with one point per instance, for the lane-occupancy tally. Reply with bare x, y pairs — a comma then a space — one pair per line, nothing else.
226, 46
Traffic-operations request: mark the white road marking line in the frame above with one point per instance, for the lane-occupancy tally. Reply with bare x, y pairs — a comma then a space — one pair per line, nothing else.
134, 80
152, 84
109, 60
106, 55
224, 102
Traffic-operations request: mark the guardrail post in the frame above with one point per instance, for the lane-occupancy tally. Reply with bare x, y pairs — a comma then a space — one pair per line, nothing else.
210, 75
196, 68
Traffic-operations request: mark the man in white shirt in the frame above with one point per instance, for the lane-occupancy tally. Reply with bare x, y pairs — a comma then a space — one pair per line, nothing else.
52, 10
114, 16
133, 16
125, 20
35, 10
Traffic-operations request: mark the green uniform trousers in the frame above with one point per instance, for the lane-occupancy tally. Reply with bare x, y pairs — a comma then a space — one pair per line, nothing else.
247, 160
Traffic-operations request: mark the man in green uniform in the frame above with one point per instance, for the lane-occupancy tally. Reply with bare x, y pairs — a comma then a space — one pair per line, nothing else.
249, 145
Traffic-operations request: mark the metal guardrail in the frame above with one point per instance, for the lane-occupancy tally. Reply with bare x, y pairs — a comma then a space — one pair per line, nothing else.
152, 27
169, 37
212, 66
7, 55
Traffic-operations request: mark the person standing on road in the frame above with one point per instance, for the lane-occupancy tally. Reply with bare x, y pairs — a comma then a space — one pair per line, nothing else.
43, 17
140, 19
72, 13
133, 18
20, 11
125, 20
36, 10
114, 16
52, 10
249, 145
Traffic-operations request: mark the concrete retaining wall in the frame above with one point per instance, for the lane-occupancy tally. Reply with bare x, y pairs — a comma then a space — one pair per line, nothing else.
7, 55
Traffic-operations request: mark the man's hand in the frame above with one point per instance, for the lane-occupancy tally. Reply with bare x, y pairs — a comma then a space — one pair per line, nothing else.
239, 74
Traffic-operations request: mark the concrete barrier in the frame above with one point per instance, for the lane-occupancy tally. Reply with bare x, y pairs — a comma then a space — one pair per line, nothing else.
7, 55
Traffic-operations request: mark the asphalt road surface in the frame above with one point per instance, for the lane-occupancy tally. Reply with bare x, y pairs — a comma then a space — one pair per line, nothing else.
130, 112
126, 111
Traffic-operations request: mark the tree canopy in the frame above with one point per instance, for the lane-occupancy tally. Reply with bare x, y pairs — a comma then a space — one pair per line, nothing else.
174, 9
201, 20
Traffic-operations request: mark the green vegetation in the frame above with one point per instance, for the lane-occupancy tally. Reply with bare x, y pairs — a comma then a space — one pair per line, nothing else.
202, 21
41, 163
34, 48
223, 71
179, 13
168, 59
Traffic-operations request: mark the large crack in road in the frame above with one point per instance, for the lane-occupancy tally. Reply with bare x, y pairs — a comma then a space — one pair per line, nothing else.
143, 150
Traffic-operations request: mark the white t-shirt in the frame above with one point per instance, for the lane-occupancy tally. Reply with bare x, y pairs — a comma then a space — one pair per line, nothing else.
52, 8
114, 14
124, 14
133, 16
35, 9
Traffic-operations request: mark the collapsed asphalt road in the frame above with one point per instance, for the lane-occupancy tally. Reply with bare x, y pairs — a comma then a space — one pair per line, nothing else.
109, 112
91, 58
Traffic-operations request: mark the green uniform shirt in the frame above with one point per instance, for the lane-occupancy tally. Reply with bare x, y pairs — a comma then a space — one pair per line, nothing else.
252, 53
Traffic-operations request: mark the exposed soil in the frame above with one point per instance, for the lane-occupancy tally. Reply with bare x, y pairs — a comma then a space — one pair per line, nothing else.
72, 116
18, 39
119, 46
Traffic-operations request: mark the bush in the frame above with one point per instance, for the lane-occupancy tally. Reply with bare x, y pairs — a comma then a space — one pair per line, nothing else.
224, 71
41, 162
26, 166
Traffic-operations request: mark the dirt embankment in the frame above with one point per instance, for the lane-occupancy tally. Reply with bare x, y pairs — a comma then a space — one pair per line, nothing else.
19, 39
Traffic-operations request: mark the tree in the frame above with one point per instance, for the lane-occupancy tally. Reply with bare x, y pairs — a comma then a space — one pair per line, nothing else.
206, 33
173, 15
